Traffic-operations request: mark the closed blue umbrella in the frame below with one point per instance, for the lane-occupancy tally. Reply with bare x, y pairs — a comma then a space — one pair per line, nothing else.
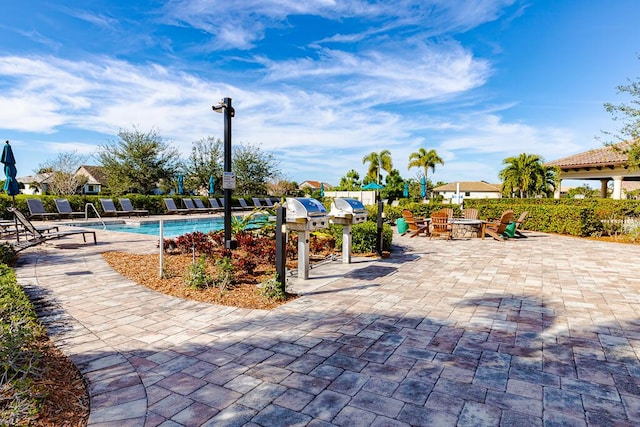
212, 188
405, 192
180, 184
10, 185
423, 187
321, 189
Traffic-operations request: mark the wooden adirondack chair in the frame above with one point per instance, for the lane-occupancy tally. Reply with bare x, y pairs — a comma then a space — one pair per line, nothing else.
495, 229
440, 225
519, 222
416, 226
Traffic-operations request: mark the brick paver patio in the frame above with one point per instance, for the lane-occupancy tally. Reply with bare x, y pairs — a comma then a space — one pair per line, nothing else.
543, 330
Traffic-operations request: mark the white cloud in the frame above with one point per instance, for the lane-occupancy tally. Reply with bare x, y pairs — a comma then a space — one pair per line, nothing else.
321, 131
243, 23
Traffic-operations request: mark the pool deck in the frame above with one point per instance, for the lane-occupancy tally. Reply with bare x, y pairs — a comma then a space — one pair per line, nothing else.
536, 331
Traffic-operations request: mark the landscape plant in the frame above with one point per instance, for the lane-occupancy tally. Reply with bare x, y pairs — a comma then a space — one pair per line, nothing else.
19, 356
197, 276
225, 274
8, 255
273, 289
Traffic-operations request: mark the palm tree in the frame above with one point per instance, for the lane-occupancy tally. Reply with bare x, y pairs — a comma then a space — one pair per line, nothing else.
377, 161
425, 159
526, 176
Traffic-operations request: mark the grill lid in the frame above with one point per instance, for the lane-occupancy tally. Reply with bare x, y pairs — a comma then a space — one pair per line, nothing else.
349, 205
301, 207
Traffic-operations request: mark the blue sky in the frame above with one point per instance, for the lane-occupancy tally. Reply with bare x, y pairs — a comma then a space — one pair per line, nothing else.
319, 83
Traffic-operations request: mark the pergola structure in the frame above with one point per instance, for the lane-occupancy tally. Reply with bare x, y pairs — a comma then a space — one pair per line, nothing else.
602, 164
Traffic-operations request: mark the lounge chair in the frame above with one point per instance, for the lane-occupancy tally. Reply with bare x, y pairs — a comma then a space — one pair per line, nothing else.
109, 209
10, 228
496, 229
37, 210
64, 209
215, 206
256, 202
440, 225
170, 204
243, 204
416, 226
201, 207
268, 203
40, 237
188, 203
127, 206
519, 222
233, 208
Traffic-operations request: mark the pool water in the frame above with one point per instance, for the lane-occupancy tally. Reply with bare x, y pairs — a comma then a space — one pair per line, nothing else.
171, 228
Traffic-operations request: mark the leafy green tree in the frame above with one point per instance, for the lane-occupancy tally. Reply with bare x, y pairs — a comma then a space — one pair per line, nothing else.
584, 191
526, 176
63, 167
377, 161
254, 168
282, 187
138, 162
628, 114
206, 159
350, 182
394, 185
426, 160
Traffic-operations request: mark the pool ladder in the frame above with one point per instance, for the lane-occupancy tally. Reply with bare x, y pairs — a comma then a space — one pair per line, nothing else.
86, 214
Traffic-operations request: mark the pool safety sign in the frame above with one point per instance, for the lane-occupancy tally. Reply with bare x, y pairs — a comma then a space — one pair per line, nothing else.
228, 181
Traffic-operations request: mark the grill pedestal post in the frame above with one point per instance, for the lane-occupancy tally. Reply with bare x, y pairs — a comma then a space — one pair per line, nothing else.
346, 244
303, 254
347, 238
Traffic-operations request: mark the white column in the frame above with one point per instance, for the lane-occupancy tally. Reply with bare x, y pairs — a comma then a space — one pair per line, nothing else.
558, 190
617, 188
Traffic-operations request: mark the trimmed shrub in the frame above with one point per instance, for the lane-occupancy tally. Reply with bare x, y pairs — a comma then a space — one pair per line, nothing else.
363, 237
19, 357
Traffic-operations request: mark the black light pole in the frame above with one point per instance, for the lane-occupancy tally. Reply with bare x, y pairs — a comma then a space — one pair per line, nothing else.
229, 112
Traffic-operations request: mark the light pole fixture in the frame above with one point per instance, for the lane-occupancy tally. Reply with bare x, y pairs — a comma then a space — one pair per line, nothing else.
228, 179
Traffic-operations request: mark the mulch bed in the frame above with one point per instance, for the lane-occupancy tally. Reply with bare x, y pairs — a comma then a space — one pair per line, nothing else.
145, 270
66, 402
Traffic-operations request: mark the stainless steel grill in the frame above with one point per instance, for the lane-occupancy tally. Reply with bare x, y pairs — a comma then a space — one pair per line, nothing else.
305, 213
351, 210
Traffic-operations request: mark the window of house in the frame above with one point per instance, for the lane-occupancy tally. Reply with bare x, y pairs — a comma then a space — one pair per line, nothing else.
91, 188
467, 193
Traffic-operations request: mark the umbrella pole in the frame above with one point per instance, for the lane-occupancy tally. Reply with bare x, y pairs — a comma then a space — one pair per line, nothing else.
15, 219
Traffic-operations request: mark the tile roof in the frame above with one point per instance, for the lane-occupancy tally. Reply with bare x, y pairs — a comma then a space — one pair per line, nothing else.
598, 157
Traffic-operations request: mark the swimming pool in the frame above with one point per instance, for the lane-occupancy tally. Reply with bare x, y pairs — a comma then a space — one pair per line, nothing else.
171, 228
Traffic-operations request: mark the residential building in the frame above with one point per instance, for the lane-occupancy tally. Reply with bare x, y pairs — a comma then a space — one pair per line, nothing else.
96, 178
468, 190
309, 186
34, 184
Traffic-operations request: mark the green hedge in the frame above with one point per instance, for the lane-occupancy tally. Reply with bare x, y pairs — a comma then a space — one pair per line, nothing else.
363, 237
576, 217
19, 357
